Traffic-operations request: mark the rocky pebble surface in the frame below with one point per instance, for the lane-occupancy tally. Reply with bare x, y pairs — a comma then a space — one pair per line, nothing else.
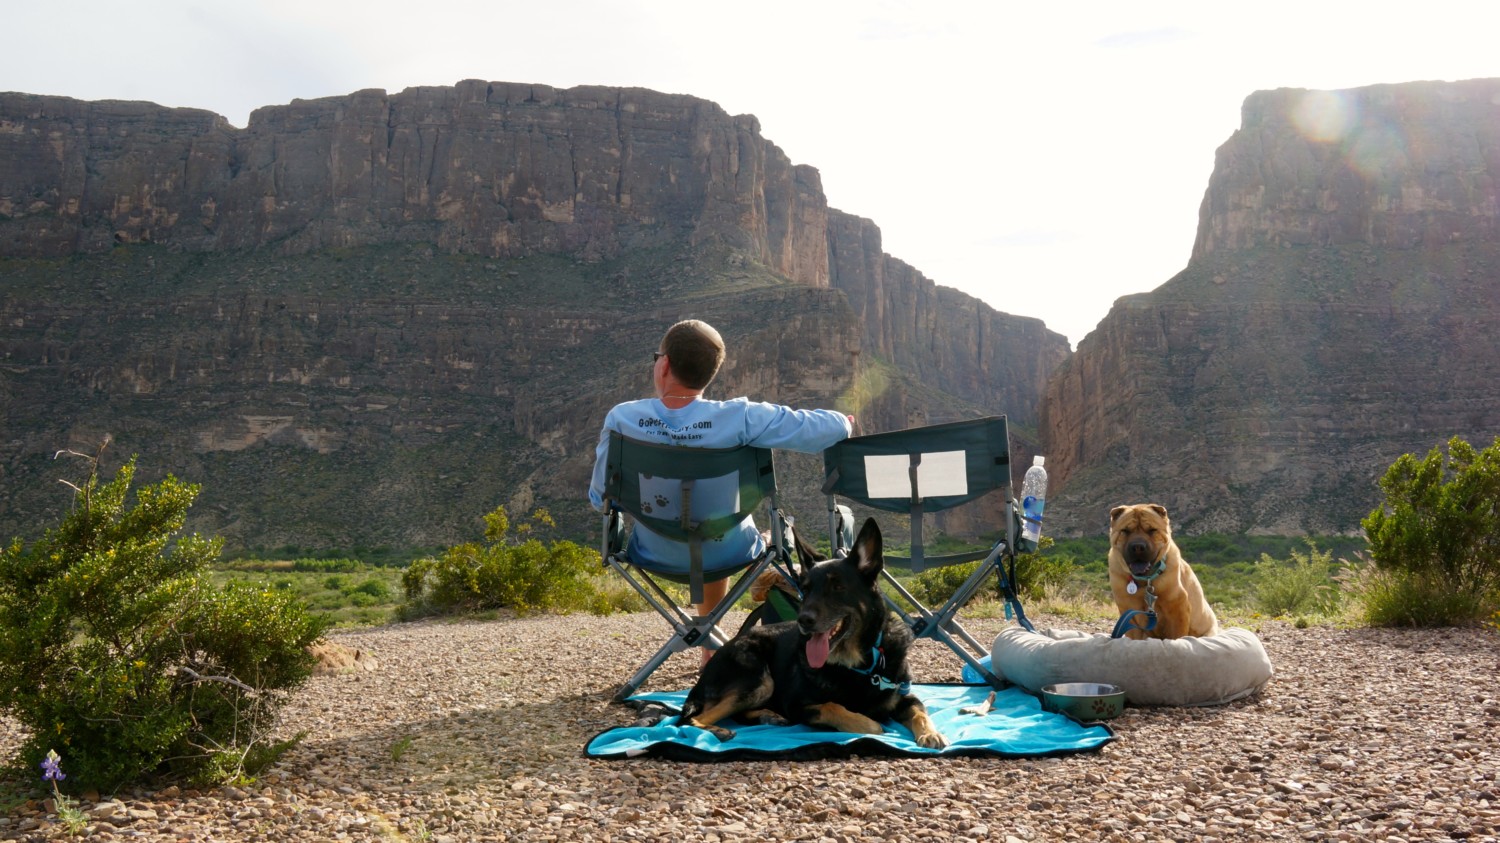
474, 731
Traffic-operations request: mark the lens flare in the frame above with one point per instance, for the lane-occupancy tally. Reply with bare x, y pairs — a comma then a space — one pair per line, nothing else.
1372, 148
1324, 116
868, 385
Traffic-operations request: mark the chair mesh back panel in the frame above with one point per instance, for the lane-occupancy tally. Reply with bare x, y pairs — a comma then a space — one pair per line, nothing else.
922, 470
959, 462
692, 496
687, 493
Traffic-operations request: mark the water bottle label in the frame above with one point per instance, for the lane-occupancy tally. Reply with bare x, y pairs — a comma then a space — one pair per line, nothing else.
1031, 519
1032, 507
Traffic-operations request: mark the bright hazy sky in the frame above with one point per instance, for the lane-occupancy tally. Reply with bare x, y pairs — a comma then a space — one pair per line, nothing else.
1044, 157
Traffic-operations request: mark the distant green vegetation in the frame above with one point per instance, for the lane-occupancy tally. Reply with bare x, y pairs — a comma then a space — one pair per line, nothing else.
348, 592
1076, 570
365, 587
1428, 533
1217, 549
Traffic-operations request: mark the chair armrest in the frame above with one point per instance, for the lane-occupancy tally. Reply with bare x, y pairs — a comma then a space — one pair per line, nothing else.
941, 561
614, 532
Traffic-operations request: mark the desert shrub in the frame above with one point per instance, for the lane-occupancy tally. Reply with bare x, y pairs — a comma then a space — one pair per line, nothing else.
328, 566
372, 588
938, 584
1434, 557
1304, 584
504, 572
116, 650
1392, 597
1035, 575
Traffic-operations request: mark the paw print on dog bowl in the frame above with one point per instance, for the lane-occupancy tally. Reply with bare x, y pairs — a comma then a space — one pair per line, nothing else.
1084, 701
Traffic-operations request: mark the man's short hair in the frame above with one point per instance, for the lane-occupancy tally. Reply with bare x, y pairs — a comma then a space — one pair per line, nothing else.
694, 352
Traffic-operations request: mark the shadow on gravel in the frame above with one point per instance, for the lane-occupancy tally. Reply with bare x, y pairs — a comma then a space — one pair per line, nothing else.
488, 745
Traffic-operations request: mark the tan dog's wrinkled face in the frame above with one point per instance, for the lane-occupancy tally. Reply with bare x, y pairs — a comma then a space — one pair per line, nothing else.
1141, 533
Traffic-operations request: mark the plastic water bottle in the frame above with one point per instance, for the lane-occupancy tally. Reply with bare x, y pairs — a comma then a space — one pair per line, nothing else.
1033, 501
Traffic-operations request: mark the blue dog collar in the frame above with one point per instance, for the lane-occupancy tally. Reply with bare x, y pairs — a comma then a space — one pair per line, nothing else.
877, 662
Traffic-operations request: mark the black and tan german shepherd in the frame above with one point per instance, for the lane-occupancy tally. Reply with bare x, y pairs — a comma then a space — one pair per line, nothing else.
841, 665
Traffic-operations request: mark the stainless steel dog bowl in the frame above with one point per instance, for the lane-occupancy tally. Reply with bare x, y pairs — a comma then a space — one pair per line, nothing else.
1084, 700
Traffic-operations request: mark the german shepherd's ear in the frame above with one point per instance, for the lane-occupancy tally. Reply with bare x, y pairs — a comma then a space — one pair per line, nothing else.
807, 556
868, 550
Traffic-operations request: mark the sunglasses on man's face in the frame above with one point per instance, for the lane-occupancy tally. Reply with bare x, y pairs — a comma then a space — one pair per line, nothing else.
657, 355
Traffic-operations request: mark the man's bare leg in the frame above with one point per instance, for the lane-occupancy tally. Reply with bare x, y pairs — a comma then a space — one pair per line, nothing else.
713, 594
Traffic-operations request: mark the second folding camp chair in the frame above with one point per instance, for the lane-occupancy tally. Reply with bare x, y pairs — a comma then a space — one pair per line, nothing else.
928, 469
692, 496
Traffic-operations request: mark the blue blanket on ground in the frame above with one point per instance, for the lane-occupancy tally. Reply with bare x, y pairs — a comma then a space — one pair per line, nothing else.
1015, 727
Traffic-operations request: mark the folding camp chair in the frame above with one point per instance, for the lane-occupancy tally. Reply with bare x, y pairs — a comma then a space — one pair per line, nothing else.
922, 470
690, 495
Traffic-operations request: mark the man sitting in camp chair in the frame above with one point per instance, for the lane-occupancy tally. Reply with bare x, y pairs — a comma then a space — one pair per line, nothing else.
683, 366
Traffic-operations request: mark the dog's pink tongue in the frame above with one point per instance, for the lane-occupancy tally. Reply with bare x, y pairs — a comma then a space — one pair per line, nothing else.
817, 649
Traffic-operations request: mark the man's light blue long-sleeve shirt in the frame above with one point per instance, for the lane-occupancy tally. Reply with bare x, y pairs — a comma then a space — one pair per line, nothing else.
712, 424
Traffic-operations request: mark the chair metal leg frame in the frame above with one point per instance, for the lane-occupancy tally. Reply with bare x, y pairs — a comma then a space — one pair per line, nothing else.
684, 629
947, 616
1012, 595
940, 626
689, 630
943, 625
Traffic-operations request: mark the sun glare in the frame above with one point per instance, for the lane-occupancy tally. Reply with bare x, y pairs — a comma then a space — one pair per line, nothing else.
1371, 147
1324, 116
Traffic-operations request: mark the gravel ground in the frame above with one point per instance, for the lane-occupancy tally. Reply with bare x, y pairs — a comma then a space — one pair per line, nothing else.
475, 731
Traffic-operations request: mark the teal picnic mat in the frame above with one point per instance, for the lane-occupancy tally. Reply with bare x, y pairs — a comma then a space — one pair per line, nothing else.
1015, 727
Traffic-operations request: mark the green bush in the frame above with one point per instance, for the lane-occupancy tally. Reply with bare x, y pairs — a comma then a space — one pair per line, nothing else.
1435, 540
116, 650
1305, 584
1035, 575
1407, 598
526, 576
375, 589
328, 566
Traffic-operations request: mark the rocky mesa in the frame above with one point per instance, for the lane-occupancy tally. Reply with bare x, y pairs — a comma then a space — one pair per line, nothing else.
1340, 308
366, 320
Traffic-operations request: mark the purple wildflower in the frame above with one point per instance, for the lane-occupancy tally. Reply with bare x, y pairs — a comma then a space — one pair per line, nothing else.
51, 771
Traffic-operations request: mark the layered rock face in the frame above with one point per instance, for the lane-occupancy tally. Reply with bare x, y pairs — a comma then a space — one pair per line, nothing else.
948, 340
1391, 167
1340, 309
494, 169
369, 319
351, 415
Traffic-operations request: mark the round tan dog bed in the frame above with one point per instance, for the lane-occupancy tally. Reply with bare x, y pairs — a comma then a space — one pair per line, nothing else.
1183, 671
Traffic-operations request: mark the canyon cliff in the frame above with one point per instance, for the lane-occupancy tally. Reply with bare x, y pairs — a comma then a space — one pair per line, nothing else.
1341, 307
366, 320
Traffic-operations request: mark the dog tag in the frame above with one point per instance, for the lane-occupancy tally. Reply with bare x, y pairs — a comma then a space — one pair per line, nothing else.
1130, 587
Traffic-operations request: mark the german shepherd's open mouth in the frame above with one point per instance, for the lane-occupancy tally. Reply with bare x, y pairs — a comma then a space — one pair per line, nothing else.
820, 644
